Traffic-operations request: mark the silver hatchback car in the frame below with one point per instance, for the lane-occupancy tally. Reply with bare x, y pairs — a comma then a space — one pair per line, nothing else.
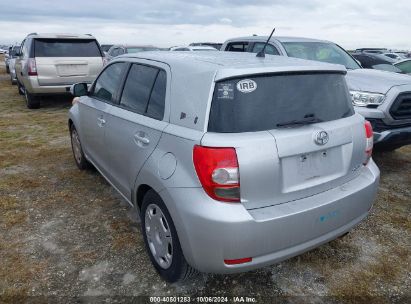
234, 162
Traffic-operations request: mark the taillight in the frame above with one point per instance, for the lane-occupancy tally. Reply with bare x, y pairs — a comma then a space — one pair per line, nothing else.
369, 141
32, 68
218, 172
238, 261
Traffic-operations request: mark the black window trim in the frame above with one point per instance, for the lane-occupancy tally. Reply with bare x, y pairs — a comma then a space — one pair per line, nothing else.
121, 90
115, 100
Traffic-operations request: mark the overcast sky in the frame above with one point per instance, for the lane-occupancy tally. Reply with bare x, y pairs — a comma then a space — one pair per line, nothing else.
350, 23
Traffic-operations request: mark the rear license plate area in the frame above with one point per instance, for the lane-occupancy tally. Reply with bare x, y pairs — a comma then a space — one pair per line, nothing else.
72, 69
310, 169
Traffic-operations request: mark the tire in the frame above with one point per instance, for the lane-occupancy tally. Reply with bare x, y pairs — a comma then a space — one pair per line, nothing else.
20, 88
77, 150
7, 69
13, 82
32, 102
155, 218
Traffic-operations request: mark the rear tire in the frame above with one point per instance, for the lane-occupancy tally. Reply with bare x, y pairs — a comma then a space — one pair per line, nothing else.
81, 161
160, 237
32, 102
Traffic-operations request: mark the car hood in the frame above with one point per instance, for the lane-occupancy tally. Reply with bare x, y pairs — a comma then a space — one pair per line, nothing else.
375, 81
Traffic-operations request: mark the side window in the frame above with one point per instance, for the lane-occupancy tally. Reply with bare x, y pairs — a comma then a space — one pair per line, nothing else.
138, 87
114, 52
155, 107
237, 47
269, 49
108, 82
120, 52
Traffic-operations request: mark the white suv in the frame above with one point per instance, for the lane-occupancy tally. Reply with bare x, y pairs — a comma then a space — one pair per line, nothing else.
51, 63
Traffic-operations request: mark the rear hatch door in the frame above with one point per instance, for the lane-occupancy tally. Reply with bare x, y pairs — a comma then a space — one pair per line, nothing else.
65, 61
295, 135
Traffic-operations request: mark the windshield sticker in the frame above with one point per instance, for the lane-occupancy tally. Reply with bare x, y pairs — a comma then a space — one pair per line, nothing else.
246, 86
225, 91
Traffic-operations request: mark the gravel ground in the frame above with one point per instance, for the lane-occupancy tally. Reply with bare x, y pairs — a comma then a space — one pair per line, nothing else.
67, 234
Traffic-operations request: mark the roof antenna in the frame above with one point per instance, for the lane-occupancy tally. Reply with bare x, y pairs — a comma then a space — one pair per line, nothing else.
262, 52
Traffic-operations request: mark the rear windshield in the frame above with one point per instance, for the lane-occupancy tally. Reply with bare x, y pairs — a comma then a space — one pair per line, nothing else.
66, 48
268, 102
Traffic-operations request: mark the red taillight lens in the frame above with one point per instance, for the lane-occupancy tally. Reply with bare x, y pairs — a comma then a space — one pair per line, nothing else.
369, 134
32, 68
238, 261
218, 172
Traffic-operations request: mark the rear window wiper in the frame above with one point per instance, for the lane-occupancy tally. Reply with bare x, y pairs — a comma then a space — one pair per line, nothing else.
308, 119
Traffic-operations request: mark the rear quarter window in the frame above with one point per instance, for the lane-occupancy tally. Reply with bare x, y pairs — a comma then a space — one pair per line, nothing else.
259, 103
66, 48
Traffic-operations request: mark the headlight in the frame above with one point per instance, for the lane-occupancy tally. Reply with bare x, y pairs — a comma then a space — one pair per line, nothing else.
363, 99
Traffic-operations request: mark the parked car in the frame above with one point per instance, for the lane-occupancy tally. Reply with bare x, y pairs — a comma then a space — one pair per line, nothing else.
12, 61
215, 45
273, 164
120, 49
404, 65
376, 61
395, 56
7, 60
372, 50
403, 54
51, 63
382, 98
192, 48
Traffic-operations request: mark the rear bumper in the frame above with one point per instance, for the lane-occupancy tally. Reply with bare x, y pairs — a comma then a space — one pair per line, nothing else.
211, 231
33, 87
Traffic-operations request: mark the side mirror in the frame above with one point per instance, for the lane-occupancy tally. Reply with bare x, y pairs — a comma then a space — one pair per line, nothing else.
79, 89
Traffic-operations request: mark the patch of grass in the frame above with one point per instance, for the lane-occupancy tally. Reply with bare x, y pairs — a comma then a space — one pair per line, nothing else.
13, 217
365, 282
8, 203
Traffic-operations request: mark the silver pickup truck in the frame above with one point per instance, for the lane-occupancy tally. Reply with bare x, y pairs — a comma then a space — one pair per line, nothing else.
383, 98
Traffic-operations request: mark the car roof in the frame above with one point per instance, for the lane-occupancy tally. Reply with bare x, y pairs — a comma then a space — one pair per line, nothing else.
278, 38
194, 74
242, 62
61, 35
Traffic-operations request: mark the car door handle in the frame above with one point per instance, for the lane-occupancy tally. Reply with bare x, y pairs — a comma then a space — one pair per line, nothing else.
101, 121
141, 138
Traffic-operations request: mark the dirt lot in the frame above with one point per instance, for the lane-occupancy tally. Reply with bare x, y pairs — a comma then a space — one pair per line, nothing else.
67, 233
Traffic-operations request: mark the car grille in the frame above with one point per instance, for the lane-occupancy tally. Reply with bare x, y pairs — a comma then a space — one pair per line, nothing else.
379, 126
401, 108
